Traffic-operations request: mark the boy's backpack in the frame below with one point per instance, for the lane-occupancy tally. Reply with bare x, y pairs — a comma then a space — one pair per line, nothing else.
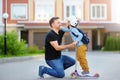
85, 39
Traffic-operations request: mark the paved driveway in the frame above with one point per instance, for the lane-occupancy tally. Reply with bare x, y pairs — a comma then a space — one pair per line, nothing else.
107, 64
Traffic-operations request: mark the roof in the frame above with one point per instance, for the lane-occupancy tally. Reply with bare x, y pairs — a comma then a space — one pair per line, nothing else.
44, 25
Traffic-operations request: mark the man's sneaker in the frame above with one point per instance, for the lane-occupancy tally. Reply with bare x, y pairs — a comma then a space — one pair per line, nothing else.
41, 72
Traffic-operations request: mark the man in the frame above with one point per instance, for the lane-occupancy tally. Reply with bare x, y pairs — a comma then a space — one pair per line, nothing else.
53, 47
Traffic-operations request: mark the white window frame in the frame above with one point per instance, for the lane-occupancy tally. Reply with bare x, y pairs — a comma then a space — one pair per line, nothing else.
70, 10
43, 3
71, 3
105, 12
19, 4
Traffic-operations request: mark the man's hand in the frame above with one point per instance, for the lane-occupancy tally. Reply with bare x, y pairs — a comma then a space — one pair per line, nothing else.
73, 45
62, 47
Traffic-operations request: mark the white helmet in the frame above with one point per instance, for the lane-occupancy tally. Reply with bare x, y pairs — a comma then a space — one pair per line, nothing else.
73, 20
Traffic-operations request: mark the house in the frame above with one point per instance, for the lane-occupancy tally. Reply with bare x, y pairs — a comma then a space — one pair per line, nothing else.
1, 9
30, 18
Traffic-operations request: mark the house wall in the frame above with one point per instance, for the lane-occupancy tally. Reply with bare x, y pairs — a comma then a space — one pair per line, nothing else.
108, 3
1, 23
35, 34
9, 2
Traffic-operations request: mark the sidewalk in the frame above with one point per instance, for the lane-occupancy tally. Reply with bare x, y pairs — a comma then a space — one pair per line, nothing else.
16, 59
23, 58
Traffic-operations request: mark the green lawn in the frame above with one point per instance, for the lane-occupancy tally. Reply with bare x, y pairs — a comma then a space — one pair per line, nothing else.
26, 54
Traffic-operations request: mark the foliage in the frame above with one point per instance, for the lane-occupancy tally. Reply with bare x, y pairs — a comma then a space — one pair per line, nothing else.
112, 43
14, 47
35, 49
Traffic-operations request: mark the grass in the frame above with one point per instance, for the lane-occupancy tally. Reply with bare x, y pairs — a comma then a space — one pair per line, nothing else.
21, 55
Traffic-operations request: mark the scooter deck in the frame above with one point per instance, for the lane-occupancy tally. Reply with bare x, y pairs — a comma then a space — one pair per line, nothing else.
87, 77
76, 75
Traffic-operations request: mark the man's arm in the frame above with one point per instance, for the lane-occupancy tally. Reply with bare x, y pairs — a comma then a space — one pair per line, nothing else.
62, 47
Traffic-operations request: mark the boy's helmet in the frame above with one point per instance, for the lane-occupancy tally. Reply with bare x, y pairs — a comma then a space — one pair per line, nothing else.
73, 20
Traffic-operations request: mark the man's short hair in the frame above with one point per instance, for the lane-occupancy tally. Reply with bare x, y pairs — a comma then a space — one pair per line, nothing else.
52, 20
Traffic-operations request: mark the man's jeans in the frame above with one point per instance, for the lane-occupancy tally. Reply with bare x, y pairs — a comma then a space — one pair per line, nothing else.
58, 66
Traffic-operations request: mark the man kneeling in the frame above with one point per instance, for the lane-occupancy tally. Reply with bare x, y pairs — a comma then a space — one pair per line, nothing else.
53, 47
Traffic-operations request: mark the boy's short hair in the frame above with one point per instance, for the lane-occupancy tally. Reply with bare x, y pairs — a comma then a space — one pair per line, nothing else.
52, 20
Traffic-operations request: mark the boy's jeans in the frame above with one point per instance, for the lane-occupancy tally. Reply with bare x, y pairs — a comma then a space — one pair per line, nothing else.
58, 66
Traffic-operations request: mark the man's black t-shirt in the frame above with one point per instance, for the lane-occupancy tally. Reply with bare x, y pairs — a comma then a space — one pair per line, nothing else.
50, 52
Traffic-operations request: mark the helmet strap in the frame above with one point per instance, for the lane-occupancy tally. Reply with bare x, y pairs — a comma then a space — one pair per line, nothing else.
68, 27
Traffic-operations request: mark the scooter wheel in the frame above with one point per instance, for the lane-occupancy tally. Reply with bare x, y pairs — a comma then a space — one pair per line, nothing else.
73, 75
96, 75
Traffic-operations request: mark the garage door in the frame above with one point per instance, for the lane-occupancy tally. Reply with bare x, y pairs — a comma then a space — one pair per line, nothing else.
39, 39
68, 40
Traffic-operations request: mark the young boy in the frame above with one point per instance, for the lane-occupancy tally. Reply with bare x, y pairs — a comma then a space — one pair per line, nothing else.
81, 48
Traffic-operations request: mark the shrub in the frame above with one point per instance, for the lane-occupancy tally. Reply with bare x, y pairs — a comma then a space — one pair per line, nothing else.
35, 49
1, 44
14, 47
112, 43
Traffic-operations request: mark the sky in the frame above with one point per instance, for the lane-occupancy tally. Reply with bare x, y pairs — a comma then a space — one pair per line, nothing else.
115, 11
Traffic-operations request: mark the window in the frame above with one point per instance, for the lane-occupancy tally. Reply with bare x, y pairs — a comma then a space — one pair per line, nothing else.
98, 11
45, 10
67, 11
70, 10
73, 8
19, 11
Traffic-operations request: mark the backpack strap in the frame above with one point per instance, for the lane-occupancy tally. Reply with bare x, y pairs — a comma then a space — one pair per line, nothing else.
74, 34
78, 30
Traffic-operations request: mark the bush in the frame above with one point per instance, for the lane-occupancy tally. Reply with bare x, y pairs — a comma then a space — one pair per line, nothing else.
14, 47
1, 44
35, 49
112, 43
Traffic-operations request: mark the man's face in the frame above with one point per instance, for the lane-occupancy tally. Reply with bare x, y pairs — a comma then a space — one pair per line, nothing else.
56, 24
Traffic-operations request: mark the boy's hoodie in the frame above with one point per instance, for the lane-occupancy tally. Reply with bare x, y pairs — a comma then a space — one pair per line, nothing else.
76, 32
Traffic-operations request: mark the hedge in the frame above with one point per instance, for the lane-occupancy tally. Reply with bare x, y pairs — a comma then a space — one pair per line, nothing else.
112, 43
14, 47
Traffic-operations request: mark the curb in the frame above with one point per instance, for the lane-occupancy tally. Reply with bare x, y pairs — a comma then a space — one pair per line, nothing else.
16, 59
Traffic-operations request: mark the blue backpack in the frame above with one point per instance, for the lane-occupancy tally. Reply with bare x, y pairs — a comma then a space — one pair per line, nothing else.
85, 39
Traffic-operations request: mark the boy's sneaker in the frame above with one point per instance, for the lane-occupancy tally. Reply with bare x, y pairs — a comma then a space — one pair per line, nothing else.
75, 74
85, 74
41, 72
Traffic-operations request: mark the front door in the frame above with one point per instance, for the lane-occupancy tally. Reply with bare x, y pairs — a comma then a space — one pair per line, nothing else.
94, 39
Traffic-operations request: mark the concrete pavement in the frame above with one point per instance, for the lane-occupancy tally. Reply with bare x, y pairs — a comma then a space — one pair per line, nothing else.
15, 59
105, 63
